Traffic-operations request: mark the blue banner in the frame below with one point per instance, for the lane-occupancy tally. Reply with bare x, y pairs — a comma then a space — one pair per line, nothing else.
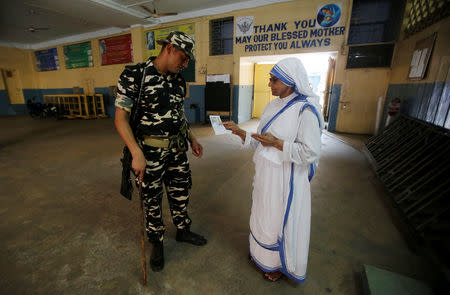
47, 60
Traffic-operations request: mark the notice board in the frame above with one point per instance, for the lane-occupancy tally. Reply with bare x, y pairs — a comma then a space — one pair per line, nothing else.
151, 48
421, 57
47, 60
78, 55
116, 50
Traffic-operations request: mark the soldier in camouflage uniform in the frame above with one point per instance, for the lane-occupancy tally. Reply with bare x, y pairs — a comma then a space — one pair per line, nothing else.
162, 133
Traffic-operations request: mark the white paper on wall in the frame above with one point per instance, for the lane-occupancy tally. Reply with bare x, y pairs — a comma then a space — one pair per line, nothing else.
244, 26
225, 78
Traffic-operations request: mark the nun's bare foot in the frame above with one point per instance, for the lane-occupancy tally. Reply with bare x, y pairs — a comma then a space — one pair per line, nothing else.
273, 276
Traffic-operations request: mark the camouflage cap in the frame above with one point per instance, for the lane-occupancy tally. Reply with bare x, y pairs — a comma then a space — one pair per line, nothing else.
181, 41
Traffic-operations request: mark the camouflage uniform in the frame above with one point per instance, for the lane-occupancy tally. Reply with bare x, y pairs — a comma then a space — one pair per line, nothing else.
161, 113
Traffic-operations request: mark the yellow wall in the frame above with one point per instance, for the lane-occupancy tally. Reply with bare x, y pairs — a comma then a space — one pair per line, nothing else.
397, 74
24, 63
104, 76
291, 12
98, 75
359, 99
21, 61
341, 61
360, 91
440, 57
246, 73
230, 64
283, 12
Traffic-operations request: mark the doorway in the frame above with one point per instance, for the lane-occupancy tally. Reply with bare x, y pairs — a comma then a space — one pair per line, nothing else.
261, 92
359, 98
317, 67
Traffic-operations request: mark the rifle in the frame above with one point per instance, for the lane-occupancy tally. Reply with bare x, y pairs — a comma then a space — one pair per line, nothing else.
144, 268
126, 187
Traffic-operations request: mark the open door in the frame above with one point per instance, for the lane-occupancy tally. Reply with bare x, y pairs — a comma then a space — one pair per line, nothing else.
261, 93
328, 85
319, 66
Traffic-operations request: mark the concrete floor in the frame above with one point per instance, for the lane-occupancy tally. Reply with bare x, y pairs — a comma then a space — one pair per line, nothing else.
66, 230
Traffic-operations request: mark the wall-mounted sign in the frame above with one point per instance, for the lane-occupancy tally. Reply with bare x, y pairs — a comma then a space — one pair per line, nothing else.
152, 48
315, 32
150, 37
244, 25
329, 15
47, 60
421, 57
78, 55
116, 50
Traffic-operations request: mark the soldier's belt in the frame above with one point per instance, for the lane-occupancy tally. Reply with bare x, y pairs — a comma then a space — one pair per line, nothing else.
161, 142
177, 142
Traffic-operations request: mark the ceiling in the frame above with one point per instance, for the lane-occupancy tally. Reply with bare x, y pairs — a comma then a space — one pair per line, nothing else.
34, 24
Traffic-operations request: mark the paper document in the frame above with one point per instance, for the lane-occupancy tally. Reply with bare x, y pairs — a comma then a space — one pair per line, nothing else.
215, 123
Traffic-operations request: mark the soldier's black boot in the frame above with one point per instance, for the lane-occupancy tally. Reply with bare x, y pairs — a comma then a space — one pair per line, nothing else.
185, 235
157, 257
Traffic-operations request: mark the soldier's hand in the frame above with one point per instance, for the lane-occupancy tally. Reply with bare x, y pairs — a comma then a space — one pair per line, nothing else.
138, 164
197, 148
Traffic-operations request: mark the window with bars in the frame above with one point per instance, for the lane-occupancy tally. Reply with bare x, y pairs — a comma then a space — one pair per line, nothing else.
221, 36
423, 13
375, 21
374, 27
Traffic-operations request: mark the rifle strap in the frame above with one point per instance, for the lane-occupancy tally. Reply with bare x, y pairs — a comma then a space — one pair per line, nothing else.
134, 109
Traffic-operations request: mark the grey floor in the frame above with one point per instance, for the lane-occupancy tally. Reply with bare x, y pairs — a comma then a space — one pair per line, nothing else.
66, 230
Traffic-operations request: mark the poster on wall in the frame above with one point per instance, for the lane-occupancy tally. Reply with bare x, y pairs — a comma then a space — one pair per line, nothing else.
329, 15
116, 50
152, 48
47, 60
78, 55
319, 28
244, 25
150, 37
421, 57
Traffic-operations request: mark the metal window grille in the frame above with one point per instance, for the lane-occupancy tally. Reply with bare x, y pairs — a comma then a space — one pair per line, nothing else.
423, 13
221, 36
375, 21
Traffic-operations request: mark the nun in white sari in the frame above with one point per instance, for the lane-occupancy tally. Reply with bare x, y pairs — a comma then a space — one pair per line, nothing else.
287, 149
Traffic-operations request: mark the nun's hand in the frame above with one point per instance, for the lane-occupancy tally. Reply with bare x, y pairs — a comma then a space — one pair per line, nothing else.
267, 139
230, 125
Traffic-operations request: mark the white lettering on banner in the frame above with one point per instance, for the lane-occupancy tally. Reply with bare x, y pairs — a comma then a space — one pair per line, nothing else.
285, 35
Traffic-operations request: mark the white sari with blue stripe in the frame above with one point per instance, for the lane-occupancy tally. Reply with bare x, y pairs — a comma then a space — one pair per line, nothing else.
281, 207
